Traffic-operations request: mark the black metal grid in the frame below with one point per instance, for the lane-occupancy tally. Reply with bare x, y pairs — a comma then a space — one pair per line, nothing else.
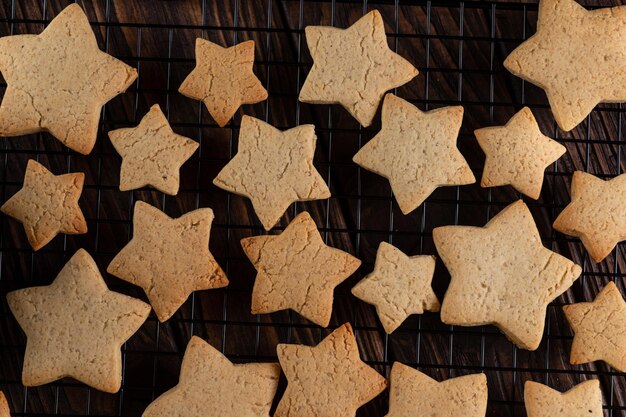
458, 46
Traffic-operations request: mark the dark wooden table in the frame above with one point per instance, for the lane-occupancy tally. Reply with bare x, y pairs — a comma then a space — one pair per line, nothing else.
458, 48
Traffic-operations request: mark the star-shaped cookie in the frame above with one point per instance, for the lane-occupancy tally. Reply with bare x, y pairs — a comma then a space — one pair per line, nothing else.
273, 169
501, 274
399, 286
152, 153
209, 381
76, 327
47, 204
297, 270
327, 380
584, 400
169, 258
577, 56
517, 154
223, 79
413, 393
353, 67
58, 81
416, 151
596, 214
599, 329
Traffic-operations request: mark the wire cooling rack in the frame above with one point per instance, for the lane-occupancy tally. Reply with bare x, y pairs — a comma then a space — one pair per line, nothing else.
458, 46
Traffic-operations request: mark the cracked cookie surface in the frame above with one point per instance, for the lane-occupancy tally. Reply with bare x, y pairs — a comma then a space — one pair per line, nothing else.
577, 56
413, 393
152, 153
353, 67
58, 81
209, 381
517, 154
599, 329
273, 169
327, 380
416, 151
502, 274
596, 214
297, 270
583, 400
223, 79
47, 204
398, 286
76, 327
169, 258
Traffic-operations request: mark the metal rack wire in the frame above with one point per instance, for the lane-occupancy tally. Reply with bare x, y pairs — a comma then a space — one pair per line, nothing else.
458, 47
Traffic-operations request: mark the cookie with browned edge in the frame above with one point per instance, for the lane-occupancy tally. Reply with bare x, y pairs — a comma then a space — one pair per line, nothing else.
47, 204
76, 326
169, 258
501, 274
297, 270
209, 381
327, 380
59, 80
577, 56
223, 79
353, 67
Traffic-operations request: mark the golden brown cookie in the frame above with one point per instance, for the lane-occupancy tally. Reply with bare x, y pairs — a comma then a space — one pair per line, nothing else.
577, 56
327, 380
223, 79
169, 258
414, 394
416, 151
517, 154
47, 204
501, 274
152, 153
58, 81
4, 406
76, 326
596, 214
584, 400
599, 329
297, 270
209, 381
399, 286
273, 169
353, 67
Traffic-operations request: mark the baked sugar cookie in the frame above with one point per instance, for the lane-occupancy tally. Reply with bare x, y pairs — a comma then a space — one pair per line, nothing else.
399, 286
169, 258
152, 153
297, 270
223, 79
577, 56
4, 406
76, 326
353, 67
596, 214
414, 394
327, 380
273, 169
416, 151
47, 204
517, 154
599, 329
584, 400
502, 274
209, 381
58, 81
